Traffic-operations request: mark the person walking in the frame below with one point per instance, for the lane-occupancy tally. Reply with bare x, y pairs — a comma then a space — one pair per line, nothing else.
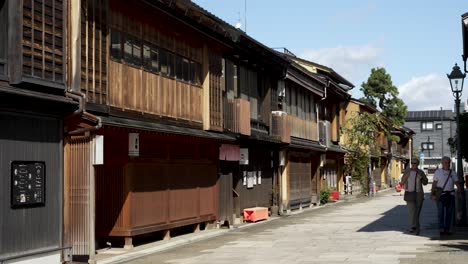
445, 179
413, 180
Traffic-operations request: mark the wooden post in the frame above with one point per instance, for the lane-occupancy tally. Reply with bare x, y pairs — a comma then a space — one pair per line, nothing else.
206, 89
92, 200
66, 194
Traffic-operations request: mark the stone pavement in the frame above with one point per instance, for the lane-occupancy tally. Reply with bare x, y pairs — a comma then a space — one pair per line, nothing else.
357, 231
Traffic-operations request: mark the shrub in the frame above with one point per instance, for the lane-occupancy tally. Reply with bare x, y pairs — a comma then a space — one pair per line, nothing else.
324, 196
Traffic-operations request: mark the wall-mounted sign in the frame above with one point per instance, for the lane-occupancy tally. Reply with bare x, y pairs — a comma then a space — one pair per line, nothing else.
27, 183
133, 144
244, 156
99, 150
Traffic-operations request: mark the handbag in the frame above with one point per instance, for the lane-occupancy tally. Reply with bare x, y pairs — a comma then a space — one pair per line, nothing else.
411, 196
439, 191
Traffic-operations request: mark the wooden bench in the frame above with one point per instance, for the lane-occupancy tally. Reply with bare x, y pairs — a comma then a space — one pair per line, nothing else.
255, 214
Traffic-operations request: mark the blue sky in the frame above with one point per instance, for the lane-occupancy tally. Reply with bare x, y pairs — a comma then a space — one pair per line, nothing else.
417, 41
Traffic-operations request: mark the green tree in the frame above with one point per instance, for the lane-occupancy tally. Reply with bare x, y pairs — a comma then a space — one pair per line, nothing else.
380, 92
361, 133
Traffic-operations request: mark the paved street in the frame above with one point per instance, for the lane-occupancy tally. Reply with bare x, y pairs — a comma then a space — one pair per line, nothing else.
357, 231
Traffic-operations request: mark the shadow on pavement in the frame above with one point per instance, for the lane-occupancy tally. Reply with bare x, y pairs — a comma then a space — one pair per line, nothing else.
396, 219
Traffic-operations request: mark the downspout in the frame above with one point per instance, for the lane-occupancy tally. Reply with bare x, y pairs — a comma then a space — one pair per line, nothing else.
282, 169
73, 91
81, 98
317, 107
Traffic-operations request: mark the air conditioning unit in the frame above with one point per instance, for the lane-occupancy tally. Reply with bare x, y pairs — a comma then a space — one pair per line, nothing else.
324, 133
278, 113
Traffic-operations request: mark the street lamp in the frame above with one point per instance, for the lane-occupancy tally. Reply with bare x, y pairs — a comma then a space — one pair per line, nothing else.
457, 78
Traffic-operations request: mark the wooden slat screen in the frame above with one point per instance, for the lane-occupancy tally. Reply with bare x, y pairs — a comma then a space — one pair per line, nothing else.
94, 32
77, 189
280, 128
301, 128
42, 40
216, 95
300, 179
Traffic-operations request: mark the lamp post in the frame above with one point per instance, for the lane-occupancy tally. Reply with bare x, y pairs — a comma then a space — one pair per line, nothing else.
457, 78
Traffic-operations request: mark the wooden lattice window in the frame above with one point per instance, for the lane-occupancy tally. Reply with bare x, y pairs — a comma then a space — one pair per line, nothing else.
94, 50
42, 40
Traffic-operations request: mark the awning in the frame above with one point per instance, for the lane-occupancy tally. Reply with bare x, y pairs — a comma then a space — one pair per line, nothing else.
20, 99
337, 149
158, 127
306, 144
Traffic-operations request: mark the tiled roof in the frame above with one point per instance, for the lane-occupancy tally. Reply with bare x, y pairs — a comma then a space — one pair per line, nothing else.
430, 115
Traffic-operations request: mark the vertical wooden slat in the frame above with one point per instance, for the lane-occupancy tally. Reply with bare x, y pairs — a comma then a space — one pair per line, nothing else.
78, 193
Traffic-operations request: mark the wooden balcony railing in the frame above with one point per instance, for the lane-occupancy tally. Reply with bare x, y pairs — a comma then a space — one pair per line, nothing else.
237, 116
400, 151
280, 128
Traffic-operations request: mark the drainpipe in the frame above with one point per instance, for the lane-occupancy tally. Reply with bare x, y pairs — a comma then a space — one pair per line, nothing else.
81, 98
317, 106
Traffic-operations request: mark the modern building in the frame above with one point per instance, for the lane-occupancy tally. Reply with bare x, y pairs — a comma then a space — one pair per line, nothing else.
433, 129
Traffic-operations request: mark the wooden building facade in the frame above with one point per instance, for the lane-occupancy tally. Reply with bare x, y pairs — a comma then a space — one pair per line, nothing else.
33, 107
149, 116
330, 113
178, 95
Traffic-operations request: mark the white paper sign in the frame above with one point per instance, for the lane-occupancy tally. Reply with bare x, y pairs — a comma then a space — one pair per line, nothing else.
133, 144
244, 156
250, 180
99, 150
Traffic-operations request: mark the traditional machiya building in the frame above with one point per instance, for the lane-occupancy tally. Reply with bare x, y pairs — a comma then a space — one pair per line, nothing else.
250, 81
388, 158
179, 127
401, 154
34, 102
331, 112
300, 160
353, 108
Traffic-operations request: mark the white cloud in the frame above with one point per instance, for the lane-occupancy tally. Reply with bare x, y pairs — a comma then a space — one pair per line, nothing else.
429, 92
354, 63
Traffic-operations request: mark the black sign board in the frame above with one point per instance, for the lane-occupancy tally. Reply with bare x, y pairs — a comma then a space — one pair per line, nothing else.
27, 183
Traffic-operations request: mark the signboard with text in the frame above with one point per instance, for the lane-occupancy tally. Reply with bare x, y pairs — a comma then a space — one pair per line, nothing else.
27, 183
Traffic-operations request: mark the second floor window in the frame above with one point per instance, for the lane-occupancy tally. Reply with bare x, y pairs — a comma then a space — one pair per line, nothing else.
439, 126
427, 126
299, 102
427, 146
138, 53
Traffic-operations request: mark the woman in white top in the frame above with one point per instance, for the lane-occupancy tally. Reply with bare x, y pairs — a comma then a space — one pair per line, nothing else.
445, 178
414, 179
